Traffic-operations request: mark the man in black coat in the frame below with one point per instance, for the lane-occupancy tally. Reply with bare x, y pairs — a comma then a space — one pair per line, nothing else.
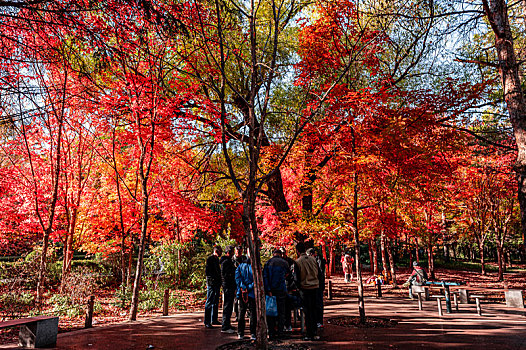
213, 287
228, 276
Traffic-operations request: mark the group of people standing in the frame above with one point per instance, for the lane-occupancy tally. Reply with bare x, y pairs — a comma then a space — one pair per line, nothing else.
294, 283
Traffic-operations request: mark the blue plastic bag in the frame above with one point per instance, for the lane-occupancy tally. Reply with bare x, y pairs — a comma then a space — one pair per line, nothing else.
271, 306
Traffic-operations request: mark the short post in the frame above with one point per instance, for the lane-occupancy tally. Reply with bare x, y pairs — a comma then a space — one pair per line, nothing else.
89, 312
419, 301
329, 290
379, 290
479, 309
455, 299
166, 302
447, 294
439, 302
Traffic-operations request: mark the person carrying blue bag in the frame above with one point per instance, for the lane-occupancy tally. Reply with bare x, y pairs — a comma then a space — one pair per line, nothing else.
246, 297
274, 274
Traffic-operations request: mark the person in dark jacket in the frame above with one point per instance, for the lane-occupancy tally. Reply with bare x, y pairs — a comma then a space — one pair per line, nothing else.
228, 276
274, 274
247, 299
213, 287
321, 288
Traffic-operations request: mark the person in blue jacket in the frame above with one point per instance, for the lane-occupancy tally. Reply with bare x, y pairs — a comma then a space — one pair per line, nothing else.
274, 274
246, 297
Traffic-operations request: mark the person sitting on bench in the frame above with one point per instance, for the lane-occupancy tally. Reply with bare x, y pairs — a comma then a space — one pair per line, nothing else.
418, 278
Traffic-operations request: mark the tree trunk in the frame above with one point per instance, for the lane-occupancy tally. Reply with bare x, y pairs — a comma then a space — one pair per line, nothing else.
324, 254
500, 260
482, 258
410, 256
430, 261
371, 261
331, 258
375, 257
385, 264
358, 264
391, 262
497, 14
140, 258
417, 253
251, 230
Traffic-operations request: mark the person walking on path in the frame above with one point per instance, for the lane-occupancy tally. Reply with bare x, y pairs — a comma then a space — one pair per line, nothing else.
418, 278
239, 258
228, 277
321, 288
213, 287
308, 283
274, 274
246, 297
347, 262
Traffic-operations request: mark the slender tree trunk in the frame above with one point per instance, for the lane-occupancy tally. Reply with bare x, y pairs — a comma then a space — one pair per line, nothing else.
68, 250
430, 261
482, 258
500, 260
331, 258
391, 262
385, 264
140, 258
417, 252
370, 248
250, 225
358, 263
376, 269
51, 216
410, 256
324, 254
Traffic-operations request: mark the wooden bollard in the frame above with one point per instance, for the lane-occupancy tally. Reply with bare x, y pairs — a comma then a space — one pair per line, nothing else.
329, 290
166, 302
89, 312
439, 304
419, 301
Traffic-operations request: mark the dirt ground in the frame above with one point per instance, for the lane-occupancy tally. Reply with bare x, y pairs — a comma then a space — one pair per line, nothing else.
191, 301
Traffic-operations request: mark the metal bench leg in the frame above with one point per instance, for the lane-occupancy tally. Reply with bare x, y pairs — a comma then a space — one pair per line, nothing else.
420, 301
439, 303
479, 309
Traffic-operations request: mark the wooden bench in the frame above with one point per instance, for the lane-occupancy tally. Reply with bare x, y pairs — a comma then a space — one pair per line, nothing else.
35, 332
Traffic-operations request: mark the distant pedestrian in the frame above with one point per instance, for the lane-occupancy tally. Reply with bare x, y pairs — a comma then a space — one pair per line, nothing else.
347, 264
308, 283
321, 288
228, 276
246, 297
274, 274
213, 287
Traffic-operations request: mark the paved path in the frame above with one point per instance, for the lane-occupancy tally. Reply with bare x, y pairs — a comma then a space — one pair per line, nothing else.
498, 328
